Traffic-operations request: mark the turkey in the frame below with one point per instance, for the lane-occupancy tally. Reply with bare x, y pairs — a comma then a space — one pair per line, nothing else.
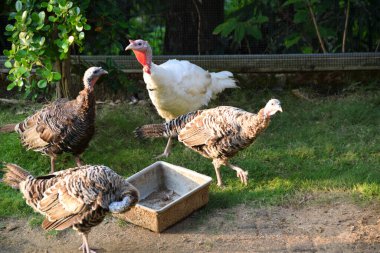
62, 126
178, 87
79, 197
217, 133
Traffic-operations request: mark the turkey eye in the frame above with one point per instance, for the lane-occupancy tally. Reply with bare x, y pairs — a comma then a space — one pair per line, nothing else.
139, 44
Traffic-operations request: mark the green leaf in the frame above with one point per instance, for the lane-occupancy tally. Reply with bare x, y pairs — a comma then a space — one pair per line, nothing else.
21, 70
226, 28
42, 84
20, 54
18, 6
9, 28
42, 16
35, 17
64, 45
6, 52
239, 32
255, 32
19, 82
56, 76
307, 50
79, 28
290, 41
262, 19
11, 85
49, 8
44, 73
300, 17
8, 64
52, 19
87, 27
71, 39
40, 26
24, 16
289, 2
81, 35
42, 41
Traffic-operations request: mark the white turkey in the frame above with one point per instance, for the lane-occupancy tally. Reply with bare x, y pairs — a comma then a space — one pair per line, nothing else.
217, 133
62, 126
178, 87
79, 197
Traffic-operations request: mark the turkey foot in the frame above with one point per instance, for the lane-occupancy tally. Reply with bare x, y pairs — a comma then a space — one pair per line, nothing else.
83, 249
243, 175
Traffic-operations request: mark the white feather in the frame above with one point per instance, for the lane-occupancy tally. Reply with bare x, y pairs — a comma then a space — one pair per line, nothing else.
178, 87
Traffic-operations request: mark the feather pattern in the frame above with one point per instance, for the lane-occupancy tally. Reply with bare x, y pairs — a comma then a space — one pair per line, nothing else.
215, 133
63, 126
79, 197
218, 133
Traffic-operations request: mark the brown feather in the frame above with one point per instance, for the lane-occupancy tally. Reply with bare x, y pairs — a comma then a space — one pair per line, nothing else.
14, 175
8, 128
77, 197
153, 130
62, 126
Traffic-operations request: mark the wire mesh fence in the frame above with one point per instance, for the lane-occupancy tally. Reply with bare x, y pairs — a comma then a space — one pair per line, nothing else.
256, 63
247, 63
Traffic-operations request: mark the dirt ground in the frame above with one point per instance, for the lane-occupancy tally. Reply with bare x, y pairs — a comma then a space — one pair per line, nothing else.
314, 224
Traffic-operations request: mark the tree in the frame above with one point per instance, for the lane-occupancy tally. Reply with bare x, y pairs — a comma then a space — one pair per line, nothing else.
41, 36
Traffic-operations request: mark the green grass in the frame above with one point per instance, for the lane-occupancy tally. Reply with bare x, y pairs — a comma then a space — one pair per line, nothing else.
328, 144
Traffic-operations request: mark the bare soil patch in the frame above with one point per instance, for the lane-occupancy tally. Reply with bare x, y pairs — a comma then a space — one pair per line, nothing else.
318, 224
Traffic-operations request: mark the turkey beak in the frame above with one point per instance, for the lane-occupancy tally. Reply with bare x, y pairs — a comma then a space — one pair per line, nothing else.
279, 108
130, 46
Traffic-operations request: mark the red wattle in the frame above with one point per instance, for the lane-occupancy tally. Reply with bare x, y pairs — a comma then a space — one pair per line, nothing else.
141, 57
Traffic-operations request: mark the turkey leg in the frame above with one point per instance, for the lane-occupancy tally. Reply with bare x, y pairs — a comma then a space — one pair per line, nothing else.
168, 149
52, 164
78, 161
85, 248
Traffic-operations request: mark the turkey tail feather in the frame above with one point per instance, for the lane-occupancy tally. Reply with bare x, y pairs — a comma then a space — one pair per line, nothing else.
8, 128
222, 80
14, 175
150, 131
168, 129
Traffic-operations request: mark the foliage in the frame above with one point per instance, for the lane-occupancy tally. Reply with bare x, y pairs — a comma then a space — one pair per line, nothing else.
288, 27
115, 22
327, 144
41, 33
241, 25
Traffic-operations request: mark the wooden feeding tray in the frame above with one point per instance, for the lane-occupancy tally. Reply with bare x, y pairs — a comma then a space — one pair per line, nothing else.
168, 193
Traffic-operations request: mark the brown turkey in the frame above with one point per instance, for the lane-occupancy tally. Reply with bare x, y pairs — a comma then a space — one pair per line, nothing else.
217, 133
79, 197
62, 126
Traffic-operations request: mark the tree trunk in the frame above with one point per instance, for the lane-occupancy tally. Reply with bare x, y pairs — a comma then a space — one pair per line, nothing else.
64, 88
189, 26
